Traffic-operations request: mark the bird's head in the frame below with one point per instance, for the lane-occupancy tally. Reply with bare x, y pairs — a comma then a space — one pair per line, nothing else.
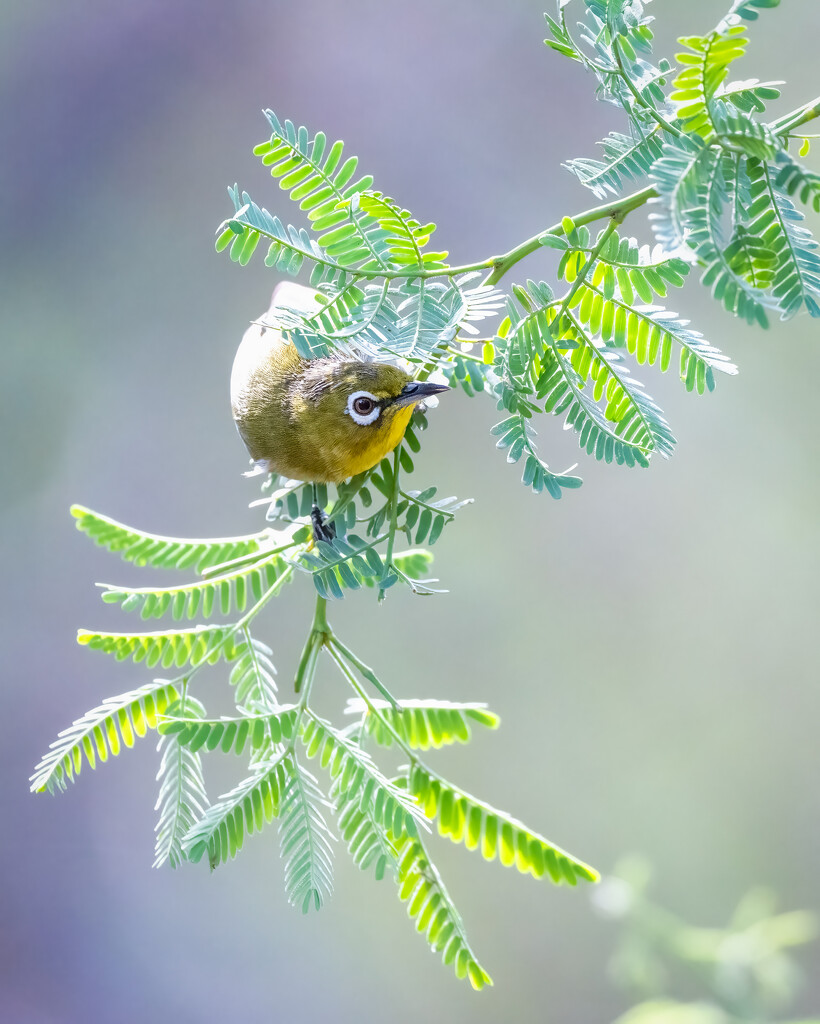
360, 409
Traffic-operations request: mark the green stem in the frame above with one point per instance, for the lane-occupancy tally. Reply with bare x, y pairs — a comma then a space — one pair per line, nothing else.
616, 49
449, 516
261, 561
319, 635
582, 273
394, 503
239, 626
469, 356
320, 623
260, 604
212, 571
335, 644
365, 547
808, 112
342, 501
391, 275
622, 206
617, 208
411, 754
498, 266
371, 707
608, 430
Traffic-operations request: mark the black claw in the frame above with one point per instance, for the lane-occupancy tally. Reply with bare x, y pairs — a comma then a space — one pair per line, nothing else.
322, 529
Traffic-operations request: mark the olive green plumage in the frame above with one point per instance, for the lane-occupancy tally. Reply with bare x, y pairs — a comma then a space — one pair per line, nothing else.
324, 419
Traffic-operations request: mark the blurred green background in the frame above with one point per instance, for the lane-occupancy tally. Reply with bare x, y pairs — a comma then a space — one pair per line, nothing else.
650, 641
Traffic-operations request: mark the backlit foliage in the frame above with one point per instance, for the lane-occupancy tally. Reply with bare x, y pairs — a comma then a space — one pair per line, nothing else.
727, 198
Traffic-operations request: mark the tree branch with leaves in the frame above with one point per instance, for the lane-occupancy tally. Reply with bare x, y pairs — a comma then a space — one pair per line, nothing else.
725, 196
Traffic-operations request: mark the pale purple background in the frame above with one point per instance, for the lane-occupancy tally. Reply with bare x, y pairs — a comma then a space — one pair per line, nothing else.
650, 641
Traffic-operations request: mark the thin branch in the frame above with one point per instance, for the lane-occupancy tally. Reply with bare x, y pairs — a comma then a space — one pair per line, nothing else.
394, 502
582, 273
616, 208
808, 112
662, 122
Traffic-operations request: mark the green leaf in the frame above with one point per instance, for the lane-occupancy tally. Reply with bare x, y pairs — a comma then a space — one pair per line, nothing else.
288, 247
625, 266
430, 314
619, 36
246, 809
626, 157
750, 96
562, 42
226, 593
799, 181
650, 332
104, 730
305, 841
196, 646
639, 424
361, 781
551, 241
253, 673
414, 562
374, 842
341, 564
516, 437
706, 65
232, 735
317, 177
422, 723
750, 258
422, 519
574, 374
695, 218
677, 175
466, 372
164, 552
749, 9
430, 906
605, 304
776, 221
406, 238
465, 819
738, 132
366, 838
339, 309
290, 500
182, 798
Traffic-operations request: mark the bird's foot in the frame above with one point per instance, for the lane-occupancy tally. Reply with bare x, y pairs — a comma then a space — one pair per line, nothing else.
322, 529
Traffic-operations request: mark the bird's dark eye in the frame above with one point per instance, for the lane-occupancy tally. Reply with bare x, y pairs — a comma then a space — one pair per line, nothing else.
364, 406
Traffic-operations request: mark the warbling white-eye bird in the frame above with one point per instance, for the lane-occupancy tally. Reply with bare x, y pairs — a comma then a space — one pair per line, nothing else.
319, 420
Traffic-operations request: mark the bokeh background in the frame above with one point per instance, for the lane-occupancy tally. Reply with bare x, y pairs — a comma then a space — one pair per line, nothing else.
650, 641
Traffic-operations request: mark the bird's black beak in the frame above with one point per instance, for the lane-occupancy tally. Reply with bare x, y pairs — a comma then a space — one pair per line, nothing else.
417, 390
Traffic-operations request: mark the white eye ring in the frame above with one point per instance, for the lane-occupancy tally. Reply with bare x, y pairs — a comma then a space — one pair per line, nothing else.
363, 419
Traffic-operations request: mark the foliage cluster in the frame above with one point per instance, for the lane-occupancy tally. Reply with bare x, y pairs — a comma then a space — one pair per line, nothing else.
726, 196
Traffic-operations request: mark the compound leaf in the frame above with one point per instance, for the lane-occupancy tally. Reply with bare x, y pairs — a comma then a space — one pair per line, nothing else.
305, 841
182, 798
104, 730
422, 723
465, 819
